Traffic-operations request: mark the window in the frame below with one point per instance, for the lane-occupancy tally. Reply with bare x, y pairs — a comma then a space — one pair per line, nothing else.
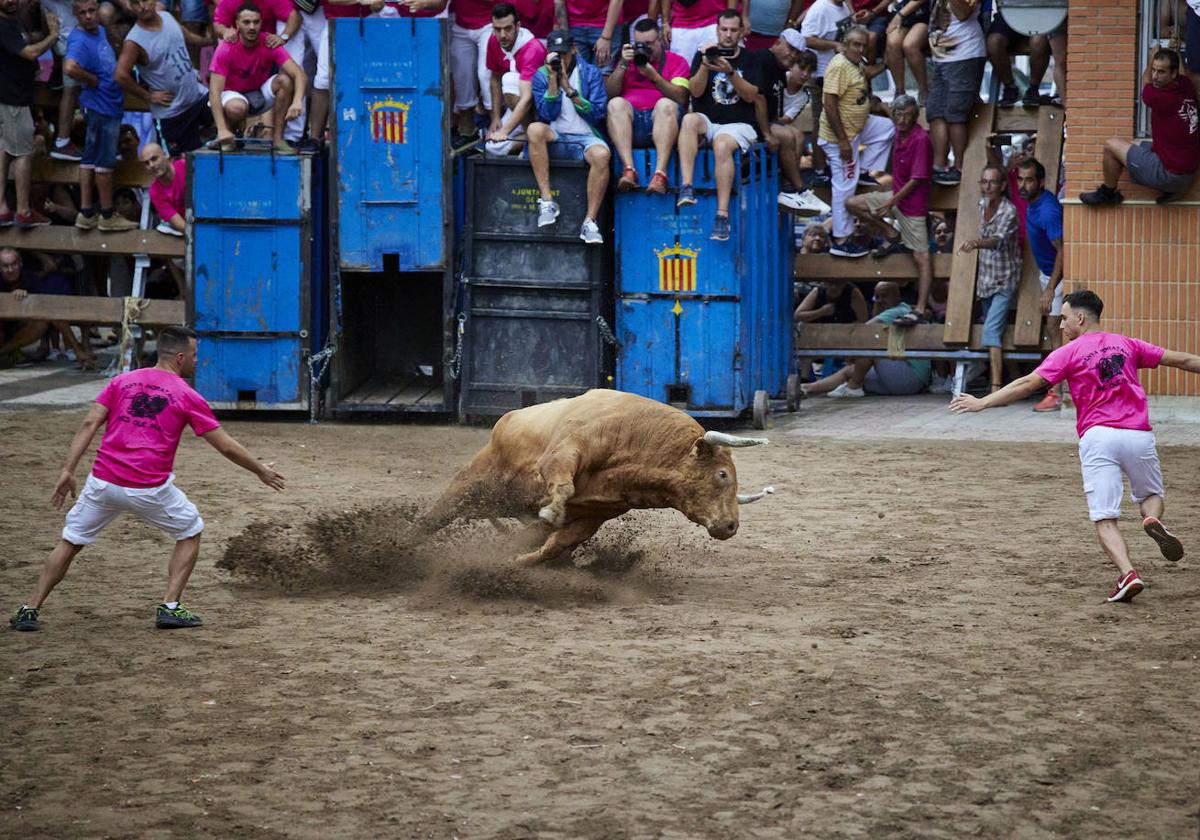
1159, 22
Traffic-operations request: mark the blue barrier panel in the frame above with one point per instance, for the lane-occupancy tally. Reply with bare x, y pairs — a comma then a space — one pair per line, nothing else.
391, 121
701, 323
249, 262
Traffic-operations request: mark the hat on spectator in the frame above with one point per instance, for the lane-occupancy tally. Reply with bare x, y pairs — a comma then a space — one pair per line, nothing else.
559, 41
794, 38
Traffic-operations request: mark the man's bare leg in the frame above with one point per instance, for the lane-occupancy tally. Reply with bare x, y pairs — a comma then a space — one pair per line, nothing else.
1116, 151
53, 571
1114, 544
183, 560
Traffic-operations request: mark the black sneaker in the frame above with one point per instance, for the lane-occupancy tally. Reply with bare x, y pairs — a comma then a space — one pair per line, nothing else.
26, 619
1008, 96
720, 229
1101, 196
1165, 198
171, 619
948, 176
460, 143
1031, 99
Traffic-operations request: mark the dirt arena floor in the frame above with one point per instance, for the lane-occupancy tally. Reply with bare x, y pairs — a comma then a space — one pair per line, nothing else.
909, 640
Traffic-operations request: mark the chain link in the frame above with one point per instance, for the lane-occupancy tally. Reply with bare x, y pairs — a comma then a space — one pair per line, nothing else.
318, 363
456, 359
606, 332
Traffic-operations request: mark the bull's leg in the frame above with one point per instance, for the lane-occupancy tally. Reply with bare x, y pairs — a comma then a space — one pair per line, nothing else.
562, 540
558, 468
471, 492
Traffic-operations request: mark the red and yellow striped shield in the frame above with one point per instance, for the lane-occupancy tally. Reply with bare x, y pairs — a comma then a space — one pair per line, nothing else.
389, 119
677, 269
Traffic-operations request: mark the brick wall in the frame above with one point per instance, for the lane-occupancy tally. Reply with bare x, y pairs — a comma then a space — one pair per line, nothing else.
1142, 259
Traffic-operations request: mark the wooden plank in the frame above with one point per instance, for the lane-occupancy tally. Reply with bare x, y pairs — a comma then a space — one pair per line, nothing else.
1020, 120
941, 198
43, 97
962, 276
875, 337
47, 170
77, 309
894, 267
1029, 297
71, 240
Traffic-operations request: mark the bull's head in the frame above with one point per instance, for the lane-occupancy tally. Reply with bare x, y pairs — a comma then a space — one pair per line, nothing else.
709, 493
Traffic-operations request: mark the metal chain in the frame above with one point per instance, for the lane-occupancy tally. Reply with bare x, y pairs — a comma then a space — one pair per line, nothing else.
456, 359
317, 365
606, 332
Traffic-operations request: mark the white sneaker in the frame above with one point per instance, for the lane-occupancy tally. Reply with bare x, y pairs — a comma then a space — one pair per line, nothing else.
844, 391
941, 385
804, 201
165, 227
547, 212
590, 232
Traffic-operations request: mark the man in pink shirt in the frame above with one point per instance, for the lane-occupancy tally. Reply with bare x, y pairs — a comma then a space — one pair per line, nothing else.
248, 77
145, 412
689, 26
513, 56
647, 92
273, 12
168, 189
1113, 423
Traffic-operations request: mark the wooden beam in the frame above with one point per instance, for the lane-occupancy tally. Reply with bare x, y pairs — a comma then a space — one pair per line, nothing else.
894, 267
1029, 297
1020, 120
941, 198
71, 240
875, 337
47, 170
88, 310
962, 277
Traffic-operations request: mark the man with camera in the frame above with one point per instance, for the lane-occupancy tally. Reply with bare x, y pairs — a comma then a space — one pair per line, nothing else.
645, 103
569, 130
726, 108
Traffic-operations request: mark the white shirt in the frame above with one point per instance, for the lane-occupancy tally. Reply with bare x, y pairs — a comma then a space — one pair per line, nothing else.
569, 121
951, 39
821, 21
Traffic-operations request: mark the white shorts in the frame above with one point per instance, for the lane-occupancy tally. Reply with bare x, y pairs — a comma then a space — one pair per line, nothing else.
510, 83
745, 134
469, 72
687, 42
1056, 306
321, 79
252, 107
100, 502
1105, 454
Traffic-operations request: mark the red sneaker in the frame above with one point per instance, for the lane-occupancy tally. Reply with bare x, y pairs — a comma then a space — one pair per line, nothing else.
1050, 402
31, 219
628, 181
6, 218
1168, 543
658, 183
1128, 585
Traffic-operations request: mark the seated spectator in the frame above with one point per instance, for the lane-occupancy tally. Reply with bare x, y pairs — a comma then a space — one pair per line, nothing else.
957, 59
888, 377
943, 234
725, 108
687, 26
18, 280
907, 202
166, 78
91, 62
18, 69
832, 301
847, 126
513, 56
821, 27
1169, 160
569, 129
907, 45
815, 240
647, 93
1002, 41
786, 70
248, 78
874, 15
998, 269
168, 191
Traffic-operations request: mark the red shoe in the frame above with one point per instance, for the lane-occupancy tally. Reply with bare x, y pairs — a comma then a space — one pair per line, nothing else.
1128, 585
1050, 402
1168, 543
658, 183
628, 181
6, 218
31, 219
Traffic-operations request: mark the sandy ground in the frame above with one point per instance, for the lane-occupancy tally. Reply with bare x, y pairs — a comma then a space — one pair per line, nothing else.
909, 640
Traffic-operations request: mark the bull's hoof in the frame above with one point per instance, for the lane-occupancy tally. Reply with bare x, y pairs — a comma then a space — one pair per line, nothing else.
553, 518
533, 558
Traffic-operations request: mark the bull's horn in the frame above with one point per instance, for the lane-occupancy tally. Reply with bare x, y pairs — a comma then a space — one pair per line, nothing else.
747, 498
722, 439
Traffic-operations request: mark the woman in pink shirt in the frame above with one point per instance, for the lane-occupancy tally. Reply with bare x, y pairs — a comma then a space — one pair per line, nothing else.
144, 413
1115, 438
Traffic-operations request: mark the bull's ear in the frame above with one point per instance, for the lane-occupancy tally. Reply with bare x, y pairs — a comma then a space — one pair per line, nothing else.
702, 449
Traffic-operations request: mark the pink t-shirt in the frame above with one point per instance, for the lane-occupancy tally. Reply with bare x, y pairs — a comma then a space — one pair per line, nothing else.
536, 15
168, 200
473, 14
528, 55
272, 11
587, 12
147, 410
700, 13
641, 92
912, 157
246, 70
1102, 370
631, 10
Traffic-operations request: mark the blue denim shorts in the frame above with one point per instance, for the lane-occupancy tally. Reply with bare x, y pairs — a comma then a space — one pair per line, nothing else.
573, 146
100, 147
995, 316
643, 127
191, 11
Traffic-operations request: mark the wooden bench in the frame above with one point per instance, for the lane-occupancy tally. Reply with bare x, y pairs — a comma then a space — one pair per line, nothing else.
88, 310
65, 239
48, 170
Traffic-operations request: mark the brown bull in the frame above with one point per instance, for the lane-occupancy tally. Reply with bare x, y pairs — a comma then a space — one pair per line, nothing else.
576, 463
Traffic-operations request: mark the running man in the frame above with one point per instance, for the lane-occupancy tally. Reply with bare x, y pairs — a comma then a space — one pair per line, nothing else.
1113, 422
146, 411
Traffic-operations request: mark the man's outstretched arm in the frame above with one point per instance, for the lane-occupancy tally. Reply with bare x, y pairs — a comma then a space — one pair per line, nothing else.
224, 443
1183, 361
1016, 390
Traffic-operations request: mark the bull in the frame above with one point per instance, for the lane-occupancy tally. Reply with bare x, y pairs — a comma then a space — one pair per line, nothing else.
576, 463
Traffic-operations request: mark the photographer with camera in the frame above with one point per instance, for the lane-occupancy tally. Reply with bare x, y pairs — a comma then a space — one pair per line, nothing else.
726, 107
645, 103
569, 130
